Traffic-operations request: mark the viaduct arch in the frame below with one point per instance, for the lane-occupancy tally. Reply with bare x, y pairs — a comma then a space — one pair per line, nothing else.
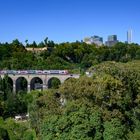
35, 81
21, 84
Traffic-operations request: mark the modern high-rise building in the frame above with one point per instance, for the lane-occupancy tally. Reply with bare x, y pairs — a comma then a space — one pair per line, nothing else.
112, 40
97, 40
94, 40
129, 36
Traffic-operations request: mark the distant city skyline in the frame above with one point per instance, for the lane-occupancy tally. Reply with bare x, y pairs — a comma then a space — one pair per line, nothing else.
68, 20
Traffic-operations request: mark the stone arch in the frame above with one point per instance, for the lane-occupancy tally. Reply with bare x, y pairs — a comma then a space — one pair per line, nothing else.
54, 82
8, 82
36, 83
21, 84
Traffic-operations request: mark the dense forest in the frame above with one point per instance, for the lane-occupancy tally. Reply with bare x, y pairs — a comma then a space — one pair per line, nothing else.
101, 106
71, 56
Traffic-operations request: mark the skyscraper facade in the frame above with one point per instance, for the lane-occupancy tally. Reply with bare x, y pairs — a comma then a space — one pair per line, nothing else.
112, 40
129, 36
94, 40
97, 40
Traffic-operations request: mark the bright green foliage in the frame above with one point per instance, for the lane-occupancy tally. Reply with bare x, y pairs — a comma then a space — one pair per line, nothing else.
11, 130
42, 104
3, 131
134, 135
78, 121
29, 135
113, 130
105, 106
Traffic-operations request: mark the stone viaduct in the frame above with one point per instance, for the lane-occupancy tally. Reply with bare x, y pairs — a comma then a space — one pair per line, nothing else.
41, 79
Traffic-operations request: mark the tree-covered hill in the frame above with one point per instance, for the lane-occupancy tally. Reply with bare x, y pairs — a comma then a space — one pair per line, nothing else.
76, 55
104, 106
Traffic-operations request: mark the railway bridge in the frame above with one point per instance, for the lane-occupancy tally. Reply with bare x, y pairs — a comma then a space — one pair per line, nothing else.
35, 81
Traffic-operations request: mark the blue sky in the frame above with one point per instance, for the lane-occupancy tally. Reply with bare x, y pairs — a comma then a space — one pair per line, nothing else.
68, 20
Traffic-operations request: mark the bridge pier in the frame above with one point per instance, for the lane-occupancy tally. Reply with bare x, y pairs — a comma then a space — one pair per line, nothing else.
29, 88
45, 86
14, 85
14, 88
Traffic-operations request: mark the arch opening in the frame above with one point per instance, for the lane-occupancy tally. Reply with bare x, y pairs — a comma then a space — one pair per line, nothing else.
54, 83
36, 84
7, 83
21, 84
